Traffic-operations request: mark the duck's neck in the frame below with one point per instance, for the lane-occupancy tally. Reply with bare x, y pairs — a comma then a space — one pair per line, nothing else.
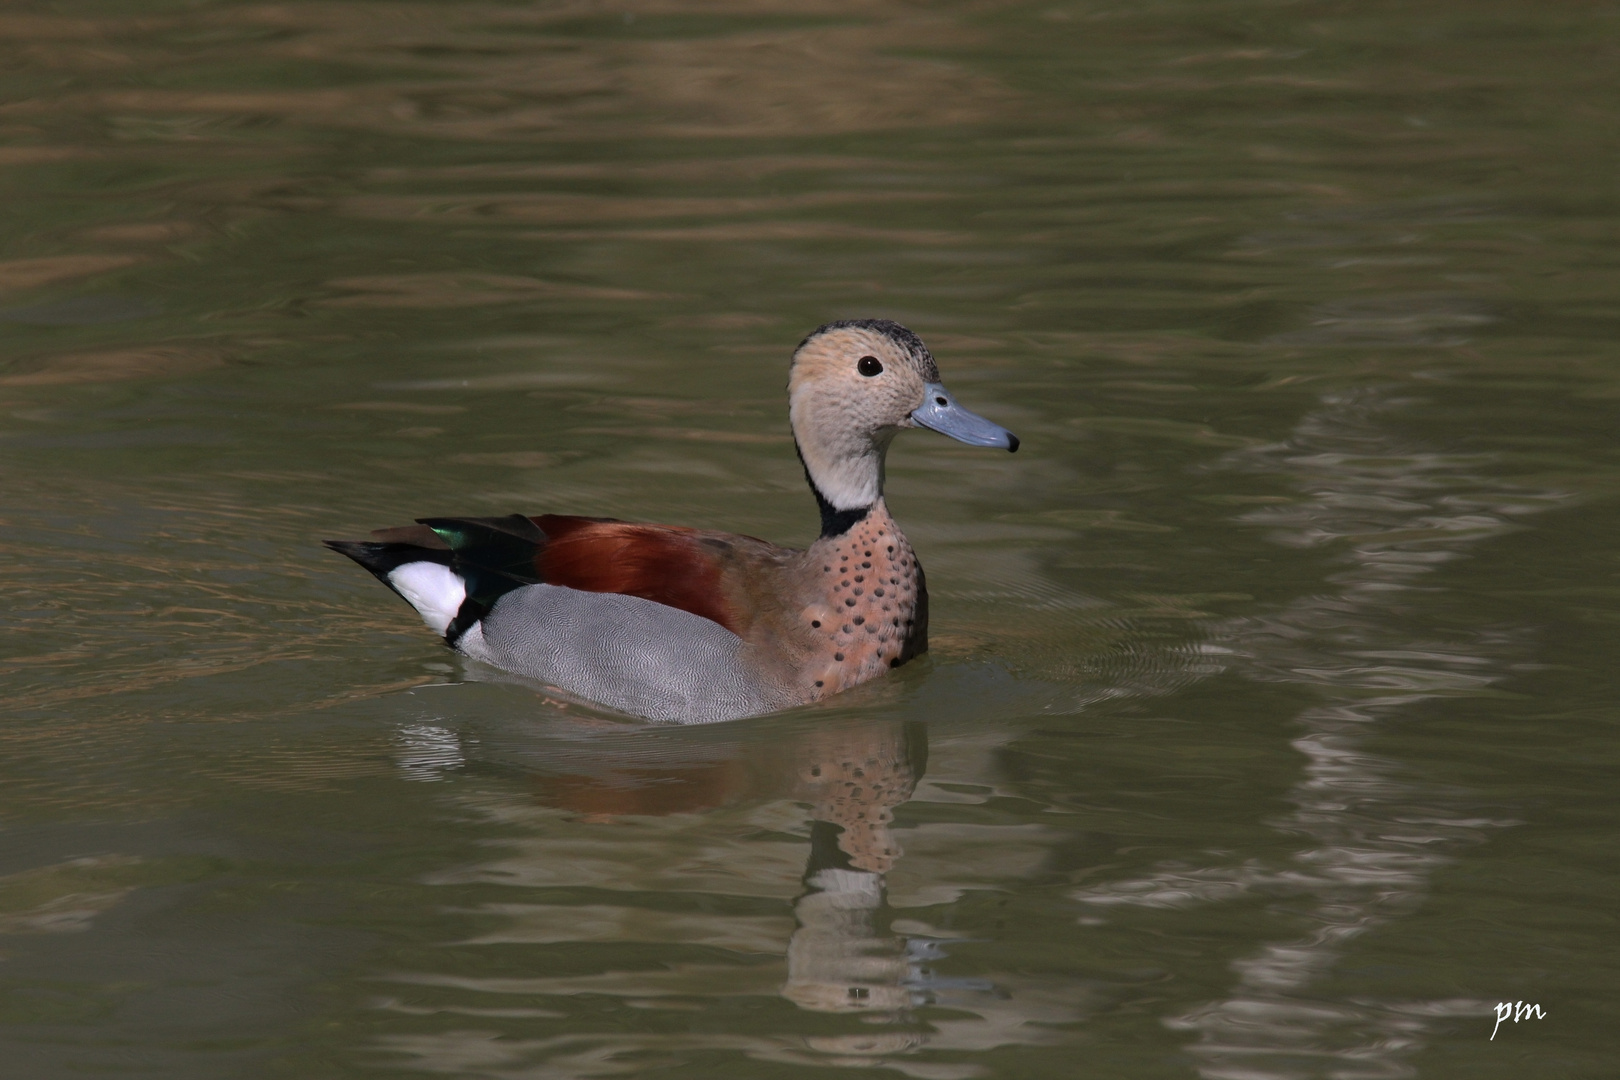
836, 522
847, 479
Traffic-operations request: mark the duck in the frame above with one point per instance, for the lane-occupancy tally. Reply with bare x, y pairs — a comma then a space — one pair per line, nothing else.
686, 625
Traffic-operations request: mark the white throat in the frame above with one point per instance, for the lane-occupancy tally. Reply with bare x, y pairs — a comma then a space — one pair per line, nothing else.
849, 480
842, 449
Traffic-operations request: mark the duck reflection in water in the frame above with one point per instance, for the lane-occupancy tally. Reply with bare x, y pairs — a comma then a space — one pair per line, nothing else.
841, 958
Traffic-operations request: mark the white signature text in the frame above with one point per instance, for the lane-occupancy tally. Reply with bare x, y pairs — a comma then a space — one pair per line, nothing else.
1517, 1010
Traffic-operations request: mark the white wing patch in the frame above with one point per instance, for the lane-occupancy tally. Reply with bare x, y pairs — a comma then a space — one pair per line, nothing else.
435, 591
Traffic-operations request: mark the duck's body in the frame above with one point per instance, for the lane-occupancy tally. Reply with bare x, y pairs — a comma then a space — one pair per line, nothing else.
685, 625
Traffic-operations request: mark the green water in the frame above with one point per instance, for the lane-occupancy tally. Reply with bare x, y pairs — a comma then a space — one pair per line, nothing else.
1268, 730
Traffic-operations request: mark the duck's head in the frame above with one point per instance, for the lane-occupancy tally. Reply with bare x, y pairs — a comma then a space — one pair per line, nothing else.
852, 387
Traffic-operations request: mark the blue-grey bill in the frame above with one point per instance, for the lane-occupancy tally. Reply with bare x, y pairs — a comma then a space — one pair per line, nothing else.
940, 412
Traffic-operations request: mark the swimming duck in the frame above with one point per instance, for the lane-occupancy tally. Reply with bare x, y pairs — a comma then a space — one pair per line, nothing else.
687, 625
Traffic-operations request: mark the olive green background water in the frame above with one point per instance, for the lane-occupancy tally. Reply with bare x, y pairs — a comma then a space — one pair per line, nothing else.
1269, 727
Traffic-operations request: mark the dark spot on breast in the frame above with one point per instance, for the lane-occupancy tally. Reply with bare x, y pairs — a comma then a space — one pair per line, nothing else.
859, 619
872, 629
838, 656
891, 549
816, 771
877, 592
866, 566
849, 603
860, 577
848, 629
859, 590
868, 554
816, 623
827, 569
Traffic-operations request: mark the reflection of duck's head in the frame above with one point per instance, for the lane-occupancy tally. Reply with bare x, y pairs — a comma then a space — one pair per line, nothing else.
852, 387
840, 959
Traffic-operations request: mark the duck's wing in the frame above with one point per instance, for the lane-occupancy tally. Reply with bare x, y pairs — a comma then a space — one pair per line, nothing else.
687, 569
697, 572
643, 618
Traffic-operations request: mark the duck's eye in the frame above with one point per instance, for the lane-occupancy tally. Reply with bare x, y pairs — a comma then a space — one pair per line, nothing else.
869, 366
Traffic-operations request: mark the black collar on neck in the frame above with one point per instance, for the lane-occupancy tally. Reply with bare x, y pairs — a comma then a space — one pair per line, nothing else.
834, 522
837, 522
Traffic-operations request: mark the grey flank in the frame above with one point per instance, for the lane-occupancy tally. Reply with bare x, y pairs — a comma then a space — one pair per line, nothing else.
630, 654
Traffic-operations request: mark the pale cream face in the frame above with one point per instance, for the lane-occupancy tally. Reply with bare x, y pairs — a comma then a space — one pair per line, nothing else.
850, 390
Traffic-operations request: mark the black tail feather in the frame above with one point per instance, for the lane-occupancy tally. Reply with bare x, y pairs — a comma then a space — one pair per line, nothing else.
383, 559
471, 561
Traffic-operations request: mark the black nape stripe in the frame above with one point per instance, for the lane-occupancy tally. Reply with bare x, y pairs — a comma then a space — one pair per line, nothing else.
838, 522
826, 851
834, 522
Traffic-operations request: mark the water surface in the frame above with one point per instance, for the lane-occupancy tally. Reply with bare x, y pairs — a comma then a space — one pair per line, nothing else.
1268, 726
